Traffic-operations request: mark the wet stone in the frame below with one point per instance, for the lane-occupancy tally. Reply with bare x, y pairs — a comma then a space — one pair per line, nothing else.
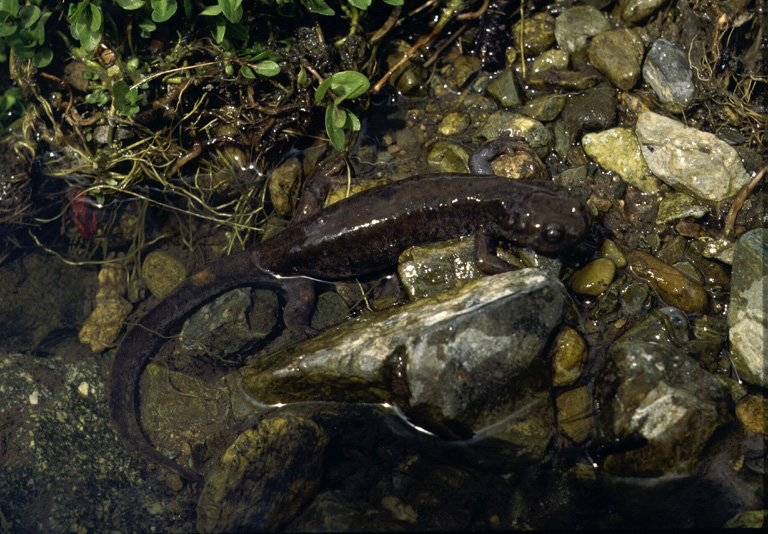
595, 109
162, 273
110, 309
676, 206
453, 123
656, 390
549, 59
752, 412
439, 358
449, 157
545, 108
689, 160
608, 300
672, 250
689, 270
667, 326
609, 249
594, 278
719, 248
574, 413
617, 150
747, 316
638, 10
538, 34
618, 54
479, 107
515, 124
667, 71
463, 69
230, 323
264, 478
672, 286
635, 299
555, 78
431, 269
577, 24
284, 184
570, 357
176, 407
504, 90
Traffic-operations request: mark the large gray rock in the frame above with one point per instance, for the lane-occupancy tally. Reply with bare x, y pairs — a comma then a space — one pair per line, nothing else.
747, 318
667, 71
652, 388
447, 361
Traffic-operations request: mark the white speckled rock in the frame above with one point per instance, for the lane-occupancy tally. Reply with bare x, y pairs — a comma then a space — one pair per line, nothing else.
689, 160
747, 317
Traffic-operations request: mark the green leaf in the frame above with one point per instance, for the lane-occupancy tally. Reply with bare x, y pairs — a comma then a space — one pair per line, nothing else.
352, 123
218, 28
336, 135
130, 5
344, 86
394, 2
339, 117
125, 98
232, 10
247, 72
29, 15
360, 4
43, 57
322, 89
318, 6
267, 68
211, 11
88, 40
95, 25
162, 10
7, 29
237, 31
9, 6
146, 25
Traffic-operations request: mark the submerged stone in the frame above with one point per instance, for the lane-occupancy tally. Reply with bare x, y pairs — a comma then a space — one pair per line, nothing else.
747, 317
657, 391
448, 361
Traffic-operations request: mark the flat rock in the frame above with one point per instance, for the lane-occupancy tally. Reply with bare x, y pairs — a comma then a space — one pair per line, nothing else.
439, 359
689, 160
747, 318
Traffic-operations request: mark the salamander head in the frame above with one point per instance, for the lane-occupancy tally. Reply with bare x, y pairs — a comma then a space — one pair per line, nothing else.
551, 223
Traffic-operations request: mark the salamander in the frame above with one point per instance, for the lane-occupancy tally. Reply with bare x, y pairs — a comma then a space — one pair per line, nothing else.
361, 235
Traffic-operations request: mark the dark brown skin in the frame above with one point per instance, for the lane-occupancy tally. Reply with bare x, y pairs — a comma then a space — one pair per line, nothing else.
357, 236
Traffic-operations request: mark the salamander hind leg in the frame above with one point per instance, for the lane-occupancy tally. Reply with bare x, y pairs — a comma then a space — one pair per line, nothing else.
300, 294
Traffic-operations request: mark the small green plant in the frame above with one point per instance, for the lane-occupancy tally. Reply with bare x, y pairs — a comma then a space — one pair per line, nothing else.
23, 31
11, 106
341, 86
124, 98
259, 61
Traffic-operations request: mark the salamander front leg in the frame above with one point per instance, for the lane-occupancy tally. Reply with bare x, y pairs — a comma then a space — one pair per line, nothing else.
317, 187
485, 254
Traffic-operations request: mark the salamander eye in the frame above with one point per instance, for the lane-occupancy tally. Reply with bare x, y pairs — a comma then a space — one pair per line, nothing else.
553, 235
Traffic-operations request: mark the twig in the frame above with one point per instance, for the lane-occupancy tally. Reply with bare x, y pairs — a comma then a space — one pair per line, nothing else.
738, 202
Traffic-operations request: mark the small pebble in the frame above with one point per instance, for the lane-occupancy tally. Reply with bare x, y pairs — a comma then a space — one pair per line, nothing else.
594, 278
673, 287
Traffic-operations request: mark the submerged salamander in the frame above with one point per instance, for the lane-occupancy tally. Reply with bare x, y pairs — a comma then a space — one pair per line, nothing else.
357, 236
